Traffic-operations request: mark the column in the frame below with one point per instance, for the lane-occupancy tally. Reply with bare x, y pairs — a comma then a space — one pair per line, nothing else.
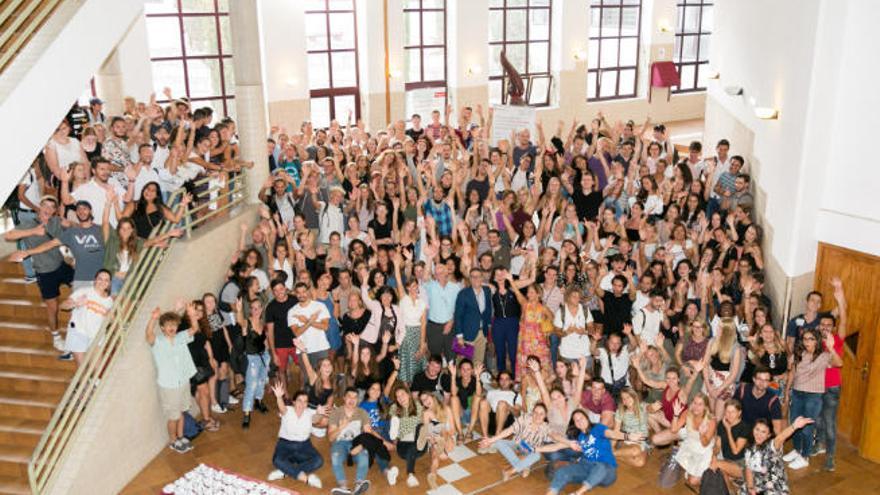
108, 84
468, 53
250, 103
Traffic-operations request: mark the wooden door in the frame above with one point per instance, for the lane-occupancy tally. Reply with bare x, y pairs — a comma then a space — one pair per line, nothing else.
859, 413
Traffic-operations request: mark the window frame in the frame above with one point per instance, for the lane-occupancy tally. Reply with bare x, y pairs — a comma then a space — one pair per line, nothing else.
331, 92
528, 8
680, 37
223, 56
421, 46
619, 5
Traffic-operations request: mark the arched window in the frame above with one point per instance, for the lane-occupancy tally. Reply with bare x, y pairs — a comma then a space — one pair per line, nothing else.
691, 52
190, 52
522, 29
331, 43
425, 51
613, 58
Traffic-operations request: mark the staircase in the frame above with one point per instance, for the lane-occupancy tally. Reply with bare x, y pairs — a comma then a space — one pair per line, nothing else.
32, 379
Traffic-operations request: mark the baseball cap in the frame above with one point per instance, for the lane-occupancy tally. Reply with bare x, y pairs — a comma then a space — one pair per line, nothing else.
83, 203
96, 101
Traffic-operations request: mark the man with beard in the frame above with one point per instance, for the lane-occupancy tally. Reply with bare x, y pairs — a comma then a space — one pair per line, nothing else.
95, 191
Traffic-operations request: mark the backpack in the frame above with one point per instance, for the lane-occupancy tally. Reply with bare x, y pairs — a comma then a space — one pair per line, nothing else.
712, 483
191, 427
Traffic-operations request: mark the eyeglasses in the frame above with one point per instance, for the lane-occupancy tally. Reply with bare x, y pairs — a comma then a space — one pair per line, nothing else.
807, 339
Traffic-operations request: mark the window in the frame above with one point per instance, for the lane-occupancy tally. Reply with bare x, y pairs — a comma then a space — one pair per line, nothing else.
190, 51
522, 29
425, 52
331, 43
691, 52
613, 57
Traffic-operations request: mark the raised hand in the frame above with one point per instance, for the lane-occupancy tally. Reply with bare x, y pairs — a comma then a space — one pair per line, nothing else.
278, 389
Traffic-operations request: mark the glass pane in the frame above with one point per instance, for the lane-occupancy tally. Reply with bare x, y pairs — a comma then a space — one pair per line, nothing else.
702, 75
160, 7
689, 49
610, 22
708, 19
216, 105
495, 92
344, 70
691, 19
230, 108
435, 65
341, 4
540, 3
631, 2
539, 27
319, 71
538, 61
608, 55
593, 54
517, 56
704, 47
516, 3
223, 6
679, 19
198, 5
163, 34
591, 85
607, 85
496, 25
495, 60
516, 25
688, 74
169, 73
539, 91
595, 17
204, 77
225, 36
316, 32
343, 105
229, 76
411, 25
630, 22
496, 3
200, 35
627, 82
629, 51
413, 65
433, 4
412, 4
320, 111
610, 2
341, 31
676, 49
314, 5
432, 23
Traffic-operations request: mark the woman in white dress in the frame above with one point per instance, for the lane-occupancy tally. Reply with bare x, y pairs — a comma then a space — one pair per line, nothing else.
62, 150
89, 306
696, 430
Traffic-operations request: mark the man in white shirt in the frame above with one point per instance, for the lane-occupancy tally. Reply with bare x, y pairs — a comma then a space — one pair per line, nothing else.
295, 456
142, 172
648, 320
309, 321
95, 192
330, 216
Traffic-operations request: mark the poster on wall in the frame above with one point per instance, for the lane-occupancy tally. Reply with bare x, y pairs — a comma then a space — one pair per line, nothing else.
509, 119
424, 101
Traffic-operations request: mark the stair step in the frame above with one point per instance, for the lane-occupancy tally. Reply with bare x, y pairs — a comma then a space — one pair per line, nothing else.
27, 405
14, 460
14, 485
11, 268
21, 431
24, 329
15, 307
28, 354
15, 286
33, 379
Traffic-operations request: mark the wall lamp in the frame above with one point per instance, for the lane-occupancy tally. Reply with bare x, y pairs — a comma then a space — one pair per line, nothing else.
664, 26
733, 90
713, 74
766, 113
473, 70
580, 55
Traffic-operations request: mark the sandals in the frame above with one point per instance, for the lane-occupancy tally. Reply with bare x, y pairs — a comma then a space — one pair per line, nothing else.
212, 425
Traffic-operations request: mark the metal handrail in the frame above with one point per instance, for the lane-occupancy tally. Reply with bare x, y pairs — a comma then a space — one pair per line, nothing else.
86, 382
19, 23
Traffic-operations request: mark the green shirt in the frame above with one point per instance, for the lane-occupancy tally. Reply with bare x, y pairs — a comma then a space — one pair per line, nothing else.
174, 364
112, 250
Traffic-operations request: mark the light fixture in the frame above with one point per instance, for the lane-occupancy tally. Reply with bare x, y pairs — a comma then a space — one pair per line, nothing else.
766, 113
395, 73
713, 74
733, 90
474, 69
291, 82
664, 26
580, 55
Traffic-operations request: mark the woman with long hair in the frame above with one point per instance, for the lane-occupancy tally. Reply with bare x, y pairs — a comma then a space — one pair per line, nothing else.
414, 317
536, 323
206, 367
437, 432
89, 306
764, 467
696, 430
405, 424
530, 431
323, 296
149, 211
766, 348
257, 374
724, 361
631, 418
221, 347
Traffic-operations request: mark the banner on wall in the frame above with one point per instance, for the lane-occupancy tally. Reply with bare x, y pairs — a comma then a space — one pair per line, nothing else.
507, 119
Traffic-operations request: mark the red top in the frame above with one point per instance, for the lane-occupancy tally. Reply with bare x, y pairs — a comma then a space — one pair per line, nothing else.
606, 404
833, 377
666, 405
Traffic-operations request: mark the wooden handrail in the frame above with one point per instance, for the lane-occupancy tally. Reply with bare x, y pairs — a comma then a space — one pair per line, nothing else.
19, 21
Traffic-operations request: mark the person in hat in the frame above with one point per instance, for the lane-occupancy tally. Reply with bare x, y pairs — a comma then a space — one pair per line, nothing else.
94, 112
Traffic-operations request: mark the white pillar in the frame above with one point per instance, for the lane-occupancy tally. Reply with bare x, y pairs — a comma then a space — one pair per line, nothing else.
468, 53
108, 84
250, 104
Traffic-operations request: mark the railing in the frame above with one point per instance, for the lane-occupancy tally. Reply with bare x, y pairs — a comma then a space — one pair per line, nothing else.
213, 201
19, 20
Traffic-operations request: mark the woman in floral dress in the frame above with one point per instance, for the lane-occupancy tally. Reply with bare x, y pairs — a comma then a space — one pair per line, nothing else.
535, 324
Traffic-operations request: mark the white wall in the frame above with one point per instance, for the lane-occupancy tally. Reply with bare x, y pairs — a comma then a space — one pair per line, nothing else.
134, 61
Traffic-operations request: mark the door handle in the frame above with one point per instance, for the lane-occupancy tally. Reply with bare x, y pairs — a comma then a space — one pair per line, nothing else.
865, 370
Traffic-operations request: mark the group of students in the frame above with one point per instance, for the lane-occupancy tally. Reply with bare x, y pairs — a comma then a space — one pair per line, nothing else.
583, 300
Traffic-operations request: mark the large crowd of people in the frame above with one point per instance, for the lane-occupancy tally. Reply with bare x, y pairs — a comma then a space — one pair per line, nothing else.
583, 297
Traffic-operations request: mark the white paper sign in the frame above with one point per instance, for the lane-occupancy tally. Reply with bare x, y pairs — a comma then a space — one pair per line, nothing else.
507, 119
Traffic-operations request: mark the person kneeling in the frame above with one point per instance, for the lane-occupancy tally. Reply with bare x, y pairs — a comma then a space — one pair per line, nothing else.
295, 456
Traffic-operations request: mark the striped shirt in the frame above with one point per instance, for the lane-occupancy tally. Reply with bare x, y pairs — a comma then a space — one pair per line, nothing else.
809, 374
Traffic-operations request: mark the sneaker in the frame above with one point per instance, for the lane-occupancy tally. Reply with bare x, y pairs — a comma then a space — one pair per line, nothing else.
799, 463
412, 481
829, 466
30, 280
259, 406
313, 481
791, 456
246, 422
67, 356
341, 490
232, 400
58, 342
217, 408
176, 446
819, 449
391, 474
483, 450
361, 487
186, 443
275, 475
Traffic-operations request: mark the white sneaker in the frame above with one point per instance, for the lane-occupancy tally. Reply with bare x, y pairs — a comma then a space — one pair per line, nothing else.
412, 481
789, 457
275, 475
391, 474
58, 342
233, 400
799, 463
313, 481
217, 408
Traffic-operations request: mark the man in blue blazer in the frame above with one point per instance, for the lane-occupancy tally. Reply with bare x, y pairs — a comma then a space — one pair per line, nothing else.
473, 315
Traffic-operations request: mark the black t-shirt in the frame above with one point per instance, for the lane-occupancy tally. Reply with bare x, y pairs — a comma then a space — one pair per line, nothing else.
198, 352
766, 407
618, 310
354, 325
464, 393
421, 383
415, 134
381, 230
587, 205
276, 314
739, 430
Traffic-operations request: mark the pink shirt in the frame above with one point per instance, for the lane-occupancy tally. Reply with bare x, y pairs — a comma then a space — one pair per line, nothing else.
833, 377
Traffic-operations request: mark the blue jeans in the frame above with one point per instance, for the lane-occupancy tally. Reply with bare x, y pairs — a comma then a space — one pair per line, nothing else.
339, 452
293, 458
554, 349
255, 379
808, 405
505, 336
584, 472
509, 449
826, 426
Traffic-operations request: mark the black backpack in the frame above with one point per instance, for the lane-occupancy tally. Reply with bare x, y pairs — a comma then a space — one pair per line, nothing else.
712, 483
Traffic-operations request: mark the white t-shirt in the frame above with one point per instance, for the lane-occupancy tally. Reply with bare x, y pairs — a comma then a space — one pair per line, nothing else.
145, 175
66, 153
31, 189
646, 324
96, 195
314, 339
497, 395
412, 311
573, 345
87, 319
296, 428
620, 363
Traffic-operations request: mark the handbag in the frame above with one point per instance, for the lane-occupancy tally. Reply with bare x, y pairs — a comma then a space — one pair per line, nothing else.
712, 483
464, 350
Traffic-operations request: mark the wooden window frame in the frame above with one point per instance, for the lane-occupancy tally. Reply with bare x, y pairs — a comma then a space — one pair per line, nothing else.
528, 8
698, 34
619, 5
332, 91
